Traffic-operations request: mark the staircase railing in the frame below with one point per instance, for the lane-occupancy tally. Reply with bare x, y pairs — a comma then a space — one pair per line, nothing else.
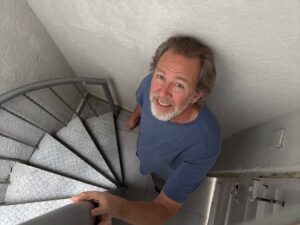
49, 84
73, 213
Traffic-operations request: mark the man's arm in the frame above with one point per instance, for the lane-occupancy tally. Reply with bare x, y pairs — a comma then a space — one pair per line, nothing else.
133, 212
134, 119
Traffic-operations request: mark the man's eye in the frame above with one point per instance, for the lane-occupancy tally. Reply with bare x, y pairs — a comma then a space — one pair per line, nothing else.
178, 85
161, 77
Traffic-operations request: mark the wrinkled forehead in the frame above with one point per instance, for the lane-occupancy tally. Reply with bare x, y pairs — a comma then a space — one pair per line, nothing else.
175, 63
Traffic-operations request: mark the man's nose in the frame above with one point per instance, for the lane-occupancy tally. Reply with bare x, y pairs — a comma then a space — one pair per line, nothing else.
165, 89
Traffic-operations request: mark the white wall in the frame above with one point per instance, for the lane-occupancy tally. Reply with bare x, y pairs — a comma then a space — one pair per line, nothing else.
250, 152
256, 44
27, 52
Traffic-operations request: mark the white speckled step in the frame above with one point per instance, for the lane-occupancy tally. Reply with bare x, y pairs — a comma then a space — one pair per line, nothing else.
103, 128
54, 156
15, 214
30, 184
76, 136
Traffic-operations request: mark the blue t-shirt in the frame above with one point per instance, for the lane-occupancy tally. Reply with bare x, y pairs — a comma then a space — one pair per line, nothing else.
182, 154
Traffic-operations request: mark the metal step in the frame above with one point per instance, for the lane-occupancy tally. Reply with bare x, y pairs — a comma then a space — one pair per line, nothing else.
77, 138
52, 103
27, 109
52, 155
3, 188
5, 168
103, 129
15, 214
12, 149
15, 127
30, 184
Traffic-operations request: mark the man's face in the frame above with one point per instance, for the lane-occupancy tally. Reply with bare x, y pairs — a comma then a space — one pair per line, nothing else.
173, 86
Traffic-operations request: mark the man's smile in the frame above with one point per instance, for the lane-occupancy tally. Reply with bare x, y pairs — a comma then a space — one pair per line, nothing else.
163, 103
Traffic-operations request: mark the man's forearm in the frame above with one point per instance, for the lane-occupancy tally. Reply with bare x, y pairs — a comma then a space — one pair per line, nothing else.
142, 213
134, 118
133, 212
137, 111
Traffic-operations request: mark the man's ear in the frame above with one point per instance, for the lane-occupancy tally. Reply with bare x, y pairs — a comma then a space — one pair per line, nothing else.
197, 96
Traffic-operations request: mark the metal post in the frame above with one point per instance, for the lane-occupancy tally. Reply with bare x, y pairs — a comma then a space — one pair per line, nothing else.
85, 99
110, 99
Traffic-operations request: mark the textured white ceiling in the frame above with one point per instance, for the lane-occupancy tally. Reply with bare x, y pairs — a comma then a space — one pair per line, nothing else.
256, 45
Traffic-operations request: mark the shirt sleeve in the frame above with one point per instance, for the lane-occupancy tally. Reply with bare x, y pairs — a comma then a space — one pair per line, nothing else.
189, 175
141, 91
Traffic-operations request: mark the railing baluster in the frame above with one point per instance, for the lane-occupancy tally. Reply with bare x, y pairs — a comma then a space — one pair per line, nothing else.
86, 100
62, 100
43, 108
110, 99
24, 119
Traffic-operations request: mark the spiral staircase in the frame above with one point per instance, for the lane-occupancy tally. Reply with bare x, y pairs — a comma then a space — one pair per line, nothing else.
56, 140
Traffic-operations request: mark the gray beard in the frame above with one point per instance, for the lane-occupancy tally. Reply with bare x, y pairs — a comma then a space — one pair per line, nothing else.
169, 115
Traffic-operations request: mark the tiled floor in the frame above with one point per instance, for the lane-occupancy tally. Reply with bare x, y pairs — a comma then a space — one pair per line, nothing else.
194, 211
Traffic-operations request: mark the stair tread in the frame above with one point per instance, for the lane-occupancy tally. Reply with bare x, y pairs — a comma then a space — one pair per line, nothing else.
5, 168
29, 184
3, 187
103, 128
15, 214
76, 136
32, 134
54, 156
12, 149
29, 110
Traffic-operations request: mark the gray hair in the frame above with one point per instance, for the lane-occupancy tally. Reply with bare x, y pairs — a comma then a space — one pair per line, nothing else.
191, 47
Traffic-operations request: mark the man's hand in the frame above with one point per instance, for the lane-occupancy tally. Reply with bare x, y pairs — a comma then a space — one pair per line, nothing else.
134, 120
133, 212
108, 205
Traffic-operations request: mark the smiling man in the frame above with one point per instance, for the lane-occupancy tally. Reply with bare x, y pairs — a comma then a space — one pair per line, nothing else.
179, 137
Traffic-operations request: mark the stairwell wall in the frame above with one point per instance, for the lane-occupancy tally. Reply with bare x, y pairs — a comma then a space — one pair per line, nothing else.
27, 55
270, 148
27, 52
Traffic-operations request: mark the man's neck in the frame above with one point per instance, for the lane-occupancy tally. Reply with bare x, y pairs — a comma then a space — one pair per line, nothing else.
188, 115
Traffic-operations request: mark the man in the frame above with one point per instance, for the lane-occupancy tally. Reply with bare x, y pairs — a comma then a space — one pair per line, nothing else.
179, 137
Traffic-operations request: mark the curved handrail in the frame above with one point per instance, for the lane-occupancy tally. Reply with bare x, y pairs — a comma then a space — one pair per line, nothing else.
72, 214
55, 82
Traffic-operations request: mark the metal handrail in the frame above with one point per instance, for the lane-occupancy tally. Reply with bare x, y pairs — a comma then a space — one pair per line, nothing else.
72, 214
78, 213
61, 81
48, 84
